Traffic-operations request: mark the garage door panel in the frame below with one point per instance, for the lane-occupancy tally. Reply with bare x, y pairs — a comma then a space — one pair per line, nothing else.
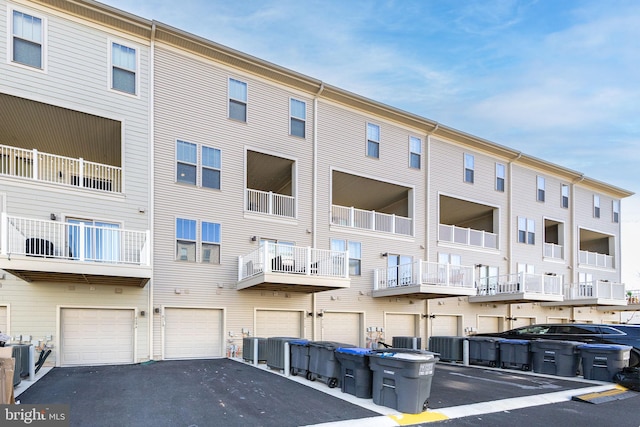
278, 323
92, 336
399, 325
489, 324
342, 327
444, 326
192, 333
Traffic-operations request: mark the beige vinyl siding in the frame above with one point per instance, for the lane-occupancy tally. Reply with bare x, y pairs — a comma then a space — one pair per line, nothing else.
279, 323
342, 327
4, 319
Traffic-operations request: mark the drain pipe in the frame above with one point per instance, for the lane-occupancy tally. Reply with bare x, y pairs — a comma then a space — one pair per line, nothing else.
314, 197
151, 171
510, 211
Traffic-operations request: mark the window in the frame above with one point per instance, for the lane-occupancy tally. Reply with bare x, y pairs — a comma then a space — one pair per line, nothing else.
565, 195
188, 167
355, 254
415, 152
187, 156
237, 100
211, 167
185, 240
540, 185
468, 168
123, 64
500, 176
298, 112
373, 140
596, 206
615, 207
526, 231
27, 40
399, 270
100, 240
210, 242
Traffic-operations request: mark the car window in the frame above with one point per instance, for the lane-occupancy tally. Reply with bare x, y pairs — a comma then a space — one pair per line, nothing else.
571, 330
535, 329
608, 330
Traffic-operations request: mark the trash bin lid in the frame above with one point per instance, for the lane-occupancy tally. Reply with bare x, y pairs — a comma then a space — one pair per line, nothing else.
615, 347
299, 342
417, 357
329, 345
516, 342
354, 350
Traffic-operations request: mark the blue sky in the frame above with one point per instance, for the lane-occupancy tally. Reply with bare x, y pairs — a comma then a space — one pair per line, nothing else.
559, 80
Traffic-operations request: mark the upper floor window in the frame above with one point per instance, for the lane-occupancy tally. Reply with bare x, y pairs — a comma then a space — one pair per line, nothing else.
596, 206
27, 40
469, 168
185, 239
540, 186
237, 100
298, 119
124, 65
373, 140
615, 207
355, 254
526, 231
500, 176
415, 152
565, 195
210, 242
187, 165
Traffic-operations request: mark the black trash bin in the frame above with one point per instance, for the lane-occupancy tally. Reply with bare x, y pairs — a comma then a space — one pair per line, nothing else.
448, 347
323, 364
355, 375
484, 350
603, 361
299, 357
555, 357
248, 349
402, 378
515, 354
276, 351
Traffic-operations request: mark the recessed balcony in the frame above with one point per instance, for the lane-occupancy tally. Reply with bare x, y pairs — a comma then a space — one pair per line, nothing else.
288, 268
595, 259
519, 288
467, 236
371, 220
598, 292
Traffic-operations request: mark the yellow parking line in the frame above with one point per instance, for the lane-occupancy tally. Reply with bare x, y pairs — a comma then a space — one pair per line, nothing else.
424, 417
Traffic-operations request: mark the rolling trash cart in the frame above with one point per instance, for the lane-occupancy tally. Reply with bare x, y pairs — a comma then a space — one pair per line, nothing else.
603, 361
299, 357
554, 357
484, 350
355, 375
323, 364
515, 354
402, 378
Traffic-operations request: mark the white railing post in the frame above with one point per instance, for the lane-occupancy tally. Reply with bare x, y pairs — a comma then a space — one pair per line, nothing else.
270, 203
393, 223
352, 215
308, 261
265, 254
81, 241
375, 279
346, 265
36, 175
4, 231
240, 264
81, 172
373, 220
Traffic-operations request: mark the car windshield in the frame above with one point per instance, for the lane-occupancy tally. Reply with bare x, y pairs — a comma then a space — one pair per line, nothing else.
535, 329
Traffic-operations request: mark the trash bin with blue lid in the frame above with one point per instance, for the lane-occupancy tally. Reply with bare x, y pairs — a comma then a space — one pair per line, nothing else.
603, 361
299, 357
555, 357
484, 350
515, 354
448, 347
402, 378
355, 375
323, 364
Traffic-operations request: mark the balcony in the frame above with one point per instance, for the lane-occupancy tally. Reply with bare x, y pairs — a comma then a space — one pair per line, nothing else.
519, 288
53, 251
288, 268
598, 292
553, 251
371, 220
594, 259
424, 280
467, 236
270, 203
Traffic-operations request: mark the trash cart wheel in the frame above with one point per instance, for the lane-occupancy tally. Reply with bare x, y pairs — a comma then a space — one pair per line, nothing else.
310, 376
526, 367
492, 364
425, 405
294, 371
333, 383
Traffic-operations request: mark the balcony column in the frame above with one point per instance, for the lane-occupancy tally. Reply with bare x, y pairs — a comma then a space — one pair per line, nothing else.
393, 223
35, 174
265, 256
352, 215
4, 230
308, 261
270, 203
373, 220
346, 264
240, 264
81, 241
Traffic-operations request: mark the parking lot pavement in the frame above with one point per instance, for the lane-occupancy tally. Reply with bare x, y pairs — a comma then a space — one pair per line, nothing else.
233, 393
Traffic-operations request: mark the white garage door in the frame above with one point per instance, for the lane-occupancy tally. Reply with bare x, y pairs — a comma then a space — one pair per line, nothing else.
278, 323
523, 321
444, 326
4, 320
399, 325
342, 327
90, 336
192, 333
488, 324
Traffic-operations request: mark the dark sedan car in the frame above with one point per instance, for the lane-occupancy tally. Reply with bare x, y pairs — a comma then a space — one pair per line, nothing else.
583, 332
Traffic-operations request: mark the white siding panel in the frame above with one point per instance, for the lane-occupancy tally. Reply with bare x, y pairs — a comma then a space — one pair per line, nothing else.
342, 327
193, 333
278, 323
443, 325
90, 336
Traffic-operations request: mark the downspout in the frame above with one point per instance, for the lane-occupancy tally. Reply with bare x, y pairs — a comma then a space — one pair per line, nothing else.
314, 195
427, 218
152, 180
575, 248
510, 213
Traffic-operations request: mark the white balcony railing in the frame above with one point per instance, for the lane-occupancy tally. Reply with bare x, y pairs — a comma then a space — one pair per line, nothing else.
270, 203
467, 236
595, 259
44, 167
280, 258
551, 250
77, 241
521, 283
371, 220
424, 273
595, 289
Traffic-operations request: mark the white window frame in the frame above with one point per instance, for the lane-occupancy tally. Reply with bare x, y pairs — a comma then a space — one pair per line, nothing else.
211, 243
372, 140
130, 45
564, 196
413, 153
43, 43
293, 118
540, 188
180, 239
596, 206
528, 227
469, 165
199, 166
213, 168
501, 173
241, 101
615, 211
343, 245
